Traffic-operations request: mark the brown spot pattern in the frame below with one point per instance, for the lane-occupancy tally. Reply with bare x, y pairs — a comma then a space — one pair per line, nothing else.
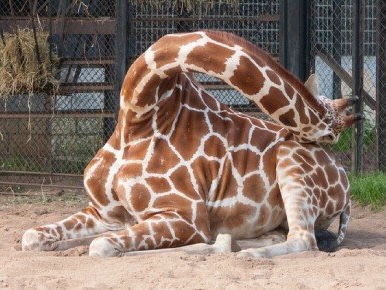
274, 100
182, 181
210, 57
188, 133
158, 184
214, 147
254, 188
163, 158
273, 77
140, 197
288, 118
247, 77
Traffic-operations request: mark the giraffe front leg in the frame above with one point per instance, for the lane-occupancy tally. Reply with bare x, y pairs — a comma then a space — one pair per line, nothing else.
301, 236
301, 216
223, 244
81, 226
167, 230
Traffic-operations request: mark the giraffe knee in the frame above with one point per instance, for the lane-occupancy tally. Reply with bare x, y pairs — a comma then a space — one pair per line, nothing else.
103, 247
302, 241
36, 240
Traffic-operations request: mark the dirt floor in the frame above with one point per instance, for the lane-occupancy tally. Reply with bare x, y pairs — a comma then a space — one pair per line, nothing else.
360, 263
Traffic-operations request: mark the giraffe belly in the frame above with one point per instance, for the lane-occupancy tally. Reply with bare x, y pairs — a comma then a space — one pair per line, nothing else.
244, 221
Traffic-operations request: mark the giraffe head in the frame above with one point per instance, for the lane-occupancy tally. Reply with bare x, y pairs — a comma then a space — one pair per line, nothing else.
336, 118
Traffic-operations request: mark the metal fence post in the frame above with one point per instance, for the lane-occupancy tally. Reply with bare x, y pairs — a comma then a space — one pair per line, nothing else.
294, 50
337, 45
357, 71
381, 85
121, 48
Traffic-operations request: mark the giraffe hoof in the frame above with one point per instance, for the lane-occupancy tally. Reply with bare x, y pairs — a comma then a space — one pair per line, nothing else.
33, 240
102, 247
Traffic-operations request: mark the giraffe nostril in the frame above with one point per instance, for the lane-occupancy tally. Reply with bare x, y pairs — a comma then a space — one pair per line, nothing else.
330, 137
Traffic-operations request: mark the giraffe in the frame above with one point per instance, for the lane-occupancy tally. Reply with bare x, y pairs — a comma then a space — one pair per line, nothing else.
181, 168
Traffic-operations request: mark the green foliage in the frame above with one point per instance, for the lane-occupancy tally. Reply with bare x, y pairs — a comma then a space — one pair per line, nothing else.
369, 189
345, 140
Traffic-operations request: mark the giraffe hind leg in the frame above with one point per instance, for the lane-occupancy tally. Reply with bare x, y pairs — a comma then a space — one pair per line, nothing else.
326, 240
78, 229
164, 230
223, 244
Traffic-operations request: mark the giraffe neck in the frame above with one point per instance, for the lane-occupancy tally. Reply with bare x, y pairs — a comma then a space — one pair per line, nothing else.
235, 61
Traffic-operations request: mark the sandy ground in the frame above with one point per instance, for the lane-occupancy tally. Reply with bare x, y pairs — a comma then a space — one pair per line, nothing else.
360, 263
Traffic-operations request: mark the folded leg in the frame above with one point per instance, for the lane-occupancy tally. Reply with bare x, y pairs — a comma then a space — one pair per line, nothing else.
301, 212
223, 244
78, 229
165, 230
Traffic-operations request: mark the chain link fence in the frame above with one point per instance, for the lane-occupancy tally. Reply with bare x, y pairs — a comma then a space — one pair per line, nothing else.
381, 84
257, 21
48, 137
332, 53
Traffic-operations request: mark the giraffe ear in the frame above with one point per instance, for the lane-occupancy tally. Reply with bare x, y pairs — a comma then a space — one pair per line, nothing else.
312, 85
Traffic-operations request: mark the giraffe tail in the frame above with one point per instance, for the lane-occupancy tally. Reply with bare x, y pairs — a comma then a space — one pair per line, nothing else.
328, 241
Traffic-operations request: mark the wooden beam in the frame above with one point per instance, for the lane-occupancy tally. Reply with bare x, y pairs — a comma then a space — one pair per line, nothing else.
260, 18
102, 61
62, 114
101, 25
68, 88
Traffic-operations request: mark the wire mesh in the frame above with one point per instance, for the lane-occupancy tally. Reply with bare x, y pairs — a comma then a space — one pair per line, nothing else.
257, 21
45, 137
381, 84
48, 138
332, 35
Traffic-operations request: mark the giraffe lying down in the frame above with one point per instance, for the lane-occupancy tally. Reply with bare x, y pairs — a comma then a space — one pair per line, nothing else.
182, 168
223, 244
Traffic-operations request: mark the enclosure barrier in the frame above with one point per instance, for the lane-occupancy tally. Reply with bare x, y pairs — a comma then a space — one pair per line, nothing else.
51, 127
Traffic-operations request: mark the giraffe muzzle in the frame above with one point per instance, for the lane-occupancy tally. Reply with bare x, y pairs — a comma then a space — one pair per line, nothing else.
352, 119
343, 104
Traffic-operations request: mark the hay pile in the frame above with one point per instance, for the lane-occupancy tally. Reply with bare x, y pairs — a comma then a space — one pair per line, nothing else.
20, 71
